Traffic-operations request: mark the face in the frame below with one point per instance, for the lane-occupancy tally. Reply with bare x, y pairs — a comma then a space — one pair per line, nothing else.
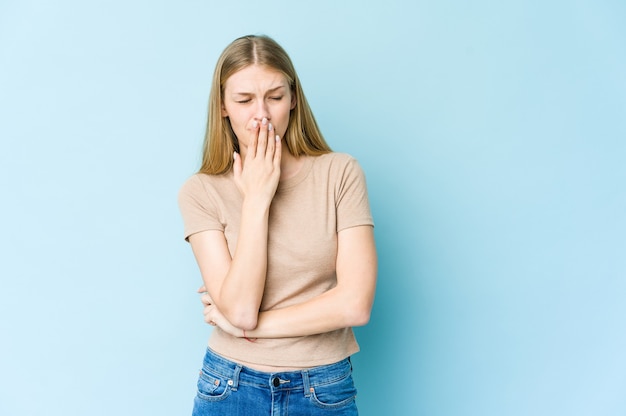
253, 93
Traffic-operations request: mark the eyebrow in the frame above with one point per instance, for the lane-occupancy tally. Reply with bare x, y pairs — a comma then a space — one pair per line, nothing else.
271, 90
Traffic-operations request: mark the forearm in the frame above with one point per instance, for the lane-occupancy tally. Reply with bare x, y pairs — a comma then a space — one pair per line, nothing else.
332, 310
242, 289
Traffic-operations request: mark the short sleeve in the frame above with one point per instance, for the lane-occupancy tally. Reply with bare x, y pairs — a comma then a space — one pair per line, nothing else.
352, 201
199, 211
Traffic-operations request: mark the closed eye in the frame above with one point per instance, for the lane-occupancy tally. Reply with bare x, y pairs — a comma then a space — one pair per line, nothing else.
278, 98
243, 101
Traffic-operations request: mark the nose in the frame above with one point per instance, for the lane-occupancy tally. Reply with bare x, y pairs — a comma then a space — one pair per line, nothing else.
262, 111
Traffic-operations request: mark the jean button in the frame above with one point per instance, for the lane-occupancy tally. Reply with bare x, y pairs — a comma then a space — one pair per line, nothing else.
276, 382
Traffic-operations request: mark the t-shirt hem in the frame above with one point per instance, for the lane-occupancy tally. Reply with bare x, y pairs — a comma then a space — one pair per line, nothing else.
196, 231
289, 364
357, 224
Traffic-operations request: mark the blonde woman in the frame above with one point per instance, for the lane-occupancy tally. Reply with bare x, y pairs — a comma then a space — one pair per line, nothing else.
281, 229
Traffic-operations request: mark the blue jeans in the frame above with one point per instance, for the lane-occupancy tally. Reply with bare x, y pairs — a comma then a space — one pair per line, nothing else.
229, 389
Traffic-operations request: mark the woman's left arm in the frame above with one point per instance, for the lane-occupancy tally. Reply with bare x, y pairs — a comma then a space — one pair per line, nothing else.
347, 304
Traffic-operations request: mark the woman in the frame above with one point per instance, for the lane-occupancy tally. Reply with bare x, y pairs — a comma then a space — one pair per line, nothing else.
281, 230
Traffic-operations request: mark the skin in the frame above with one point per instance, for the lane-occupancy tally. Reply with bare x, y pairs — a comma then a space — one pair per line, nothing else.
258, 101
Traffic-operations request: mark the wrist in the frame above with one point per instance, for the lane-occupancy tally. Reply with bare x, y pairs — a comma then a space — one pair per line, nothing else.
255, 211
256, 203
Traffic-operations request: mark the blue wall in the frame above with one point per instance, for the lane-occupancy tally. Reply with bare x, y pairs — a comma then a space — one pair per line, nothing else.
493, 138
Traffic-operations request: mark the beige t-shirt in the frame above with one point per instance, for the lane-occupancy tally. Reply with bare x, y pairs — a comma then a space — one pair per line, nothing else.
327, 195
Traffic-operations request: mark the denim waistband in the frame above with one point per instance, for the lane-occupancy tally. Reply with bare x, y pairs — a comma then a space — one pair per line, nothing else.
305, 379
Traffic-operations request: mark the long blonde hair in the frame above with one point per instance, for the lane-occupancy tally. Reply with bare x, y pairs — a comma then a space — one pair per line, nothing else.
302, 137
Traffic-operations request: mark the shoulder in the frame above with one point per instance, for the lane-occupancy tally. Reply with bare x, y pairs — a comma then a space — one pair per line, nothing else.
193, 185
335, 157
191, 191
201, 186
335, 161
338, 164
202, 181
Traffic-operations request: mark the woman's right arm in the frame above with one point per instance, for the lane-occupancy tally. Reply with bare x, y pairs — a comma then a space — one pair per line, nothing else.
236, 284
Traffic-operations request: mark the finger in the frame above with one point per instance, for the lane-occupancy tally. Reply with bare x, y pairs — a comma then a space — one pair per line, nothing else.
236, 166
271, 144
262, 139
278, 153
253, 140
206, 299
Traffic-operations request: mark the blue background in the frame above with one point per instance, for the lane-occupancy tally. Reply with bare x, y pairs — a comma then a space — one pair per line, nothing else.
493, 138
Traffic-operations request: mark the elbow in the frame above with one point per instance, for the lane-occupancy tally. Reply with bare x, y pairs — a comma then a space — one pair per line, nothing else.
242, 314
361, 318
246, 320
356, 307
359, 314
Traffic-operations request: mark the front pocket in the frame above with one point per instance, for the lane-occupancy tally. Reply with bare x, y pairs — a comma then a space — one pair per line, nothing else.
213, 388
334, 395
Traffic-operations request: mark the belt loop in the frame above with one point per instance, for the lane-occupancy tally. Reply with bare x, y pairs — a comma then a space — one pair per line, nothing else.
236, 377
305, 383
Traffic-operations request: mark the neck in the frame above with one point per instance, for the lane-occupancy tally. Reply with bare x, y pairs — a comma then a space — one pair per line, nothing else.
289, 165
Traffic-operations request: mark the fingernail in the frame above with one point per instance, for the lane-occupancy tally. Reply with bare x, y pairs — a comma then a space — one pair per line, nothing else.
264, 121
255, 124
277, 138
270, 127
